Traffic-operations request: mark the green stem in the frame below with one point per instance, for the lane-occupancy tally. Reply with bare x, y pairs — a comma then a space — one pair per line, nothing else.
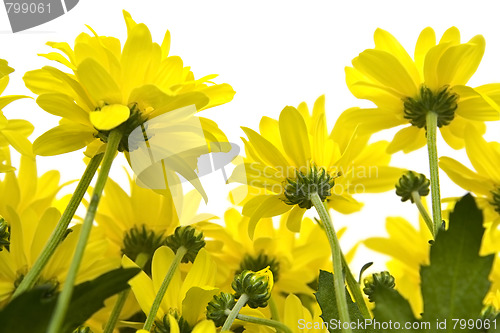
263, 321
423, 212
59, 232
67, 291
338, 276
355, 289
234, 312
181, 251
141, 260
431, 124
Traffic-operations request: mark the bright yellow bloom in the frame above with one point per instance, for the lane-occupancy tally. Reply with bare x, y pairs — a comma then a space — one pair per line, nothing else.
26, 206
408, 249
299, 143
185, 297
299, 319
112, 87
404, 88
13, 132
485, 182
139, 222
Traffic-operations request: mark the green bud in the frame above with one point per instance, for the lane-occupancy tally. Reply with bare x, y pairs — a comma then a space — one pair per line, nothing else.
377, 280
216, 308
412, 182
256, 285
188, 237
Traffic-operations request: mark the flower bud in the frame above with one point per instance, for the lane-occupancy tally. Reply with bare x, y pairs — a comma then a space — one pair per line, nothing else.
216, 308
188, 237
256, 285
377, 280
412, 182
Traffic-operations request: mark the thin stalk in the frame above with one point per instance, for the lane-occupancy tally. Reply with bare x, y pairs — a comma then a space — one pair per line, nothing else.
274, 312
431, 124
141, 260
67, 291
263, 321
355, 289
423, 212
234, 312
181, 251
59, 232
338, 276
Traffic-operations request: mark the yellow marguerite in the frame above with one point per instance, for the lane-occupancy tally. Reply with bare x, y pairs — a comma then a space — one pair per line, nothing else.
26, 206
298, 145
408, 249
13, 132
405, 89
139, 222
110, 87
485, 182
295, 260
186, 298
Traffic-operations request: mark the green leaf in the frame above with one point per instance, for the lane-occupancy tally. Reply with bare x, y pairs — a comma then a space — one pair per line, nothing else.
390, 306
456, 281
330, 314
31, 311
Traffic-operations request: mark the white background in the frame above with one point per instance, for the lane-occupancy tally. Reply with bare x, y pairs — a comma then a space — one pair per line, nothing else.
273, 53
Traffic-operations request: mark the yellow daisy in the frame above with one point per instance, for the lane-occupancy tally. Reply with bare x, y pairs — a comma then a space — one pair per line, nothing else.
13, 132
297, 147
405, 89
186, 298
111, 86
139, 222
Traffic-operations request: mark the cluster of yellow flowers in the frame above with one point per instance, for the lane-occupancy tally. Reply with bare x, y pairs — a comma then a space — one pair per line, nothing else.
194, 270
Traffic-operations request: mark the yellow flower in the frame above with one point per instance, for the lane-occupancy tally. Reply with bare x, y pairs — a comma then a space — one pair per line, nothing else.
408, 249
29, 231
13, 132
404, 89
139, 222
485, 182
186, 298
112, 87
299, 147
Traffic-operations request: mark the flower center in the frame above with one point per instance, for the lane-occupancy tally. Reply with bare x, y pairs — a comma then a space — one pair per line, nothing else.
298, 191
135, 120
443, 102
259, 262
163, 326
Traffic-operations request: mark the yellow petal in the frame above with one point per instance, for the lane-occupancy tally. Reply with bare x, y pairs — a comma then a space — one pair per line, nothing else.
162, 259
63, 139
270, 206
460, 62
386, 69
343, 203
464, 177
63, 106
195, 303
426, 40
204, 326
386, 42
99, 83
408, 139
452, 35
483, 156
375, 179
269, 153
294, 219
294, 136
479, 103
109, 117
